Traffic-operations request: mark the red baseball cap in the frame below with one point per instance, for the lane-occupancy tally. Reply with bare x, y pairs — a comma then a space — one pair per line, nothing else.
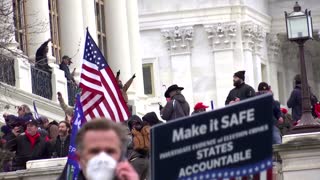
200, 105
284, 110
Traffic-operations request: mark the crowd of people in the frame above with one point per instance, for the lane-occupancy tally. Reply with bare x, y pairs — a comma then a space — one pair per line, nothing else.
27, 138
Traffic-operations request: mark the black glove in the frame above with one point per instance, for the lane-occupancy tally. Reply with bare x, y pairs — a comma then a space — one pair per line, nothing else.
118, 73
134, 75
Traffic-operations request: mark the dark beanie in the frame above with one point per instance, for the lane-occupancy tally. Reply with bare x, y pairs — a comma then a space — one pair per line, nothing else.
240, 74
263, 86
297, 79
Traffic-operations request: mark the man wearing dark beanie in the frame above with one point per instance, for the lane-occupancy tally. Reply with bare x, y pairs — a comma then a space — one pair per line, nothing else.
241, 91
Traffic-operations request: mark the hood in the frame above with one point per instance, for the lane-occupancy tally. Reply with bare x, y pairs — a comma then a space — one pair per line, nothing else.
151, 118
180, 98
132, 119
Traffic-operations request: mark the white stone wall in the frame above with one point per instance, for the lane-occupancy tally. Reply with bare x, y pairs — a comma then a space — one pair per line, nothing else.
147, 6
259, 52
211, 58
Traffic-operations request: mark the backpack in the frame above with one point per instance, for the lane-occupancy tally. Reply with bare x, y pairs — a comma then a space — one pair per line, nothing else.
141, 139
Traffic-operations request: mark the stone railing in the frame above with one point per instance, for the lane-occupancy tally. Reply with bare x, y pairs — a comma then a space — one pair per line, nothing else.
298, 157
19, 73
48, 169
7, 70
41, 83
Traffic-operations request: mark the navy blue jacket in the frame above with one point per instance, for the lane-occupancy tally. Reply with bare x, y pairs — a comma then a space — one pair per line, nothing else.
295, 102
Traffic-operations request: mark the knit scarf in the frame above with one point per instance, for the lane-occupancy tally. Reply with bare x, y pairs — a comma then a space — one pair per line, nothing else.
33, 138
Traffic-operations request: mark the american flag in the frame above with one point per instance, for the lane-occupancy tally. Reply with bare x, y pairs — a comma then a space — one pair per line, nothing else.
100, 96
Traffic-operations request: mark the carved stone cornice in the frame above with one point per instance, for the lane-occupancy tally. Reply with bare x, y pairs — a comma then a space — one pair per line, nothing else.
178, 39
274, 45
221, 35
252, 36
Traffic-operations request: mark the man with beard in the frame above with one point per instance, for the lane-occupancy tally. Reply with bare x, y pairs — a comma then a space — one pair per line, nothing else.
177, 106
241, 91
61, 146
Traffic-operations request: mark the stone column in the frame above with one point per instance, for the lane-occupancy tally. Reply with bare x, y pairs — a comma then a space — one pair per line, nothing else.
7, 28
88, 14
179, 43
38, 25
134, 42
72, 33
259, 38
136, 92
273, 43
117, 38
222, 38
248, 41
21, 65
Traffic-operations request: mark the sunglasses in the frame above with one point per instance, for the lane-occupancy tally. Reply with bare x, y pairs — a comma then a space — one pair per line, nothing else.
20, 108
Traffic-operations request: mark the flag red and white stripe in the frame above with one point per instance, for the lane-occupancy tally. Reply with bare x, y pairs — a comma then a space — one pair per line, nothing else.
263, 175
101, 95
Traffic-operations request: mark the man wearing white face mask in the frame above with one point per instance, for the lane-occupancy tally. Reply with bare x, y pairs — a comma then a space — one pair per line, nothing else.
100, 151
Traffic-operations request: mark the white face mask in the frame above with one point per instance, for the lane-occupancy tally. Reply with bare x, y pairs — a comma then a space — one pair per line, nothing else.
101, 167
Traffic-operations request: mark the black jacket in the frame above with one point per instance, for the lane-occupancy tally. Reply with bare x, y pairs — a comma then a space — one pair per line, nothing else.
41, 57
61, 148
242, 92
24, 152
66, 70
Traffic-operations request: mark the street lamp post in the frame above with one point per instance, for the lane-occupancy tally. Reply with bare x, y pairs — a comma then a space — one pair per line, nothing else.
299, 30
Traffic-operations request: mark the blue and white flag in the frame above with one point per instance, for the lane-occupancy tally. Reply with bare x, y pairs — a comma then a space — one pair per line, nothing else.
73, 167
36, 114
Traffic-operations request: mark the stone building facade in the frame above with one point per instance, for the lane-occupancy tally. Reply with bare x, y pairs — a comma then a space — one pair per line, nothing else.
197, 44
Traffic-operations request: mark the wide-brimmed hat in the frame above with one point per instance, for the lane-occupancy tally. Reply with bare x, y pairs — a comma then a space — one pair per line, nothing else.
171, 88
